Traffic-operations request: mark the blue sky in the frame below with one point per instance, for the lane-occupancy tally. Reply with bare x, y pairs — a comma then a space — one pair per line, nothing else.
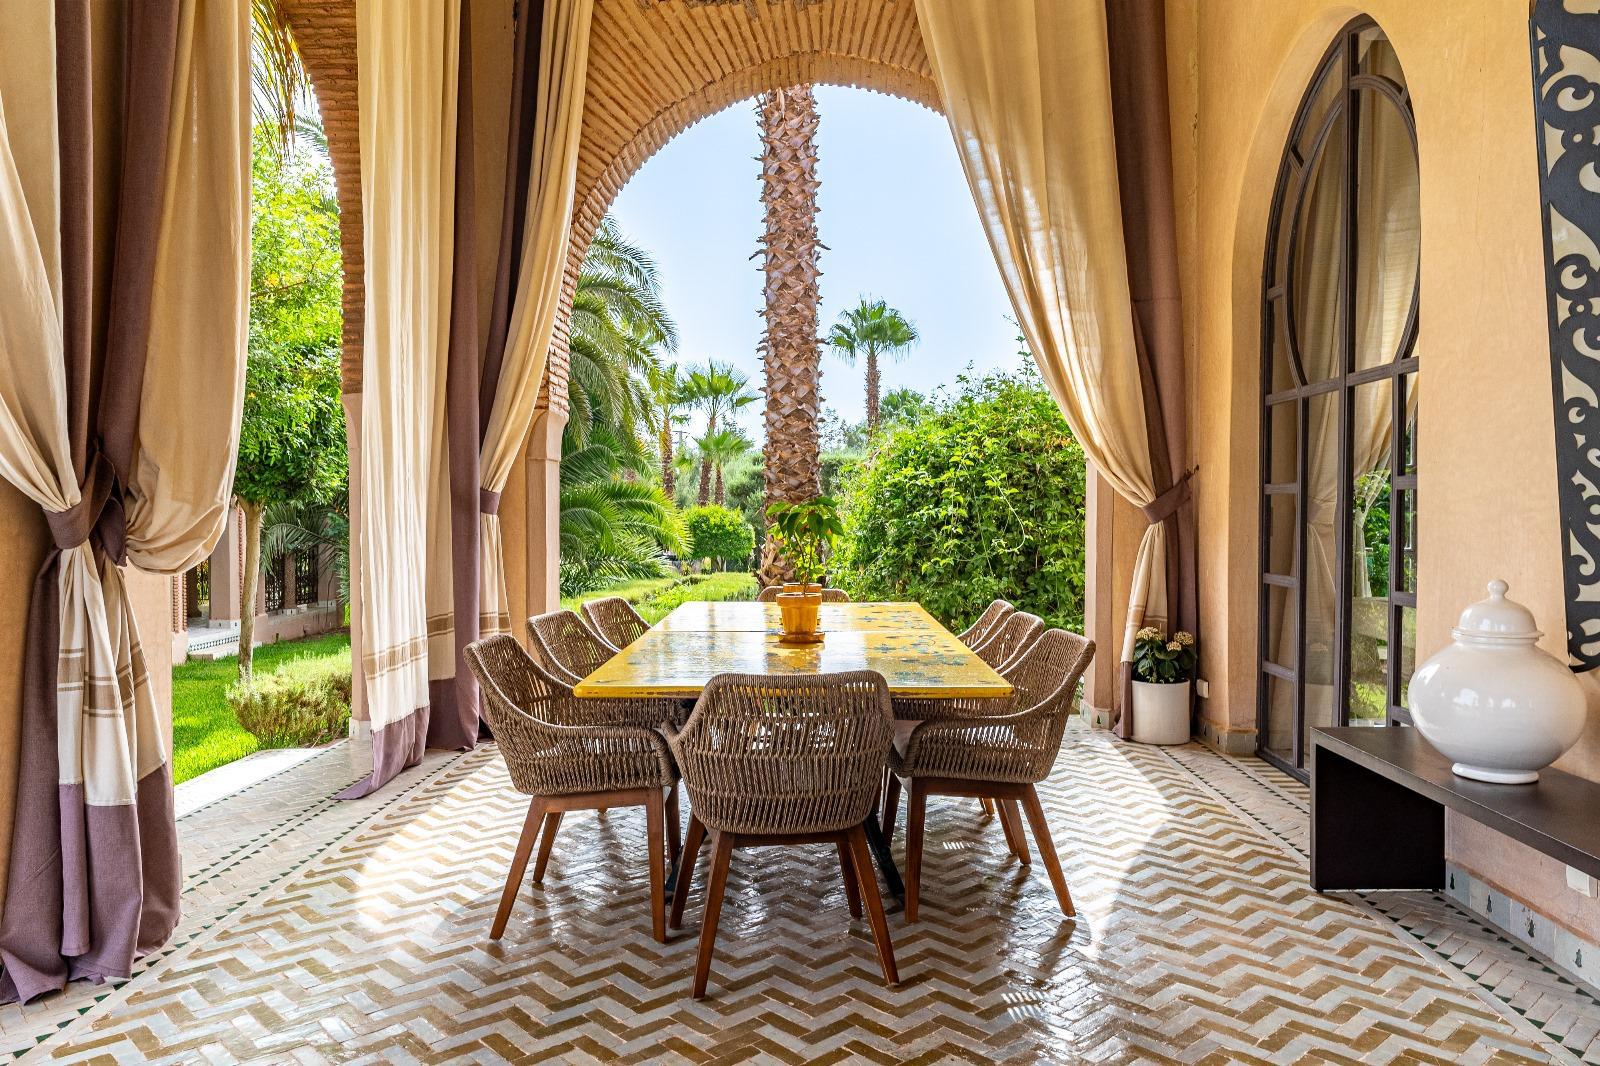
896, 219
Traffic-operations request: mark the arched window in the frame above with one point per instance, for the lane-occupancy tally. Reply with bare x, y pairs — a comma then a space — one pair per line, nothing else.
1339, 402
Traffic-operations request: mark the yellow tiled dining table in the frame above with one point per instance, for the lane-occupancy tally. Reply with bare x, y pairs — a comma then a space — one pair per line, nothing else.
917, 656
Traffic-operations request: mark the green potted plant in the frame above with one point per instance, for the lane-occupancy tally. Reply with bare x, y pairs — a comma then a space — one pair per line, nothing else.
1163, 667
805, 532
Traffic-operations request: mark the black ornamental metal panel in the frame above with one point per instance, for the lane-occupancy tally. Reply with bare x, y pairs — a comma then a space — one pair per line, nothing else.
1566, 93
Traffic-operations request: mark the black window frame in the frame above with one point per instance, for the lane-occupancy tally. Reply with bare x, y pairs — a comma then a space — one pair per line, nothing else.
1341, 61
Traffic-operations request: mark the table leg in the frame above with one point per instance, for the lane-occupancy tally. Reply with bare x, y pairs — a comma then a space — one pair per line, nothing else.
885, 859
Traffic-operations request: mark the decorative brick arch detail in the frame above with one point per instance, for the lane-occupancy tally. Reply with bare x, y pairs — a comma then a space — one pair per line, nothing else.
656, 67
325, 34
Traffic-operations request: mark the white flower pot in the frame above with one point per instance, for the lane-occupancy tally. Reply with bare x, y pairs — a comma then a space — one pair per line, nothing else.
1160, 713
1491, 702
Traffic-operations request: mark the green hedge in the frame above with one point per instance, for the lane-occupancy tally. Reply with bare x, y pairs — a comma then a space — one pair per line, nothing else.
982, 499
719, 533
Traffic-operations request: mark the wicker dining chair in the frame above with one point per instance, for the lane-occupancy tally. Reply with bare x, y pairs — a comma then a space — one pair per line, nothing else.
568, 754
615, 620
569, 647
770, 595
991, 618
1013, 637
784, 760
999, 757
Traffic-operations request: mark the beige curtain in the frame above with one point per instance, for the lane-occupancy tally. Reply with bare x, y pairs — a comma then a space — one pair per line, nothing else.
408, 55
1026, 89
563, 72
167, 417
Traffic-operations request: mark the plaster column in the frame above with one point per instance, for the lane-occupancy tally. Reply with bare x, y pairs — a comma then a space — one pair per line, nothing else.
226, 562
542, 509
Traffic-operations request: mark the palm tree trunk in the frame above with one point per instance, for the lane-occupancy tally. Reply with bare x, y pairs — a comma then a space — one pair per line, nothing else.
705, 482
249, 579
873, 385
669, 476
719, 493
791, 357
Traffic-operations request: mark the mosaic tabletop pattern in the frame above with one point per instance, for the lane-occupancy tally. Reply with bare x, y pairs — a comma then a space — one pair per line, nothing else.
901, 641
1198, 941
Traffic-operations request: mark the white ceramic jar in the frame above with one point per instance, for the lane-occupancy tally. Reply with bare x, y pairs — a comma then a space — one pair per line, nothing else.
1492, 702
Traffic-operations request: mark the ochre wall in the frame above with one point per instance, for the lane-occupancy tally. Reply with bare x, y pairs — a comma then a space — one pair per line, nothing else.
1487, 490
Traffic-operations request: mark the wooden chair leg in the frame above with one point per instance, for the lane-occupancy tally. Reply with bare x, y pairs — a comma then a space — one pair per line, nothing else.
674, 832
519, 866
891, 806
1047, 850
552, 823
721, 849
691, 853
916, 809
1011, 822
852, 892
655, 818
987, 804
862, 865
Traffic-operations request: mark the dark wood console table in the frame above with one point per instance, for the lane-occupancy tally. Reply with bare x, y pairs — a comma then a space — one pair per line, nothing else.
1378, 797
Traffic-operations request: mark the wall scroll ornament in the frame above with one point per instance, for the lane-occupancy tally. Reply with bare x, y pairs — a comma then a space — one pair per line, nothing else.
1566, 94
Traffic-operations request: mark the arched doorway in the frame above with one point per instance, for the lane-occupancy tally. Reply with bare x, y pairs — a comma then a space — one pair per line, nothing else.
1338, 512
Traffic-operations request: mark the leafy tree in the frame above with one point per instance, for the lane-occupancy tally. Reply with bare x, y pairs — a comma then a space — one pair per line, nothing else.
720, 534
719, 449
871, 330
291, 437
981, 499
719, 390
904, 407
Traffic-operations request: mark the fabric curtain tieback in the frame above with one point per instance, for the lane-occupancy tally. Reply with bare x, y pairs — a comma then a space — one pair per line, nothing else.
98, 514
488, 502
1166, 505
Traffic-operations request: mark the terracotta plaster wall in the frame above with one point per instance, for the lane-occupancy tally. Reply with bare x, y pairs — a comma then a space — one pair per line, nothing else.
1487, 449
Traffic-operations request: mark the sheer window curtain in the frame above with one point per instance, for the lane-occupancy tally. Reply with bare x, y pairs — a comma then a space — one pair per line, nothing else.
102, 430
1029, 96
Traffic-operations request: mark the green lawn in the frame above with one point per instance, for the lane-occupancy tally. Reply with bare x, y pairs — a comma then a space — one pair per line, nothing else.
656, 597
205, 733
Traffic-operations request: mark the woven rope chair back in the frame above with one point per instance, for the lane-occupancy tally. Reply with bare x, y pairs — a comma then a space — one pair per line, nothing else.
770, 595
568, 645
615, 620
1019, 747
786, 755
553, 743
1016, 633
990, 620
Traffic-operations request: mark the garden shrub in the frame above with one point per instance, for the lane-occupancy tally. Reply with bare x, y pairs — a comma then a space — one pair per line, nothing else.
719, 533
727, 587
305, 702
981, 499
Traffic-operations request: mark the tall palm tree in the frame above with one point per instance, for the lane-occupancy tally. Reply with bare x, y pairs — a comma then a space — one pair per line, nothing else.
719, 390
668, 400
280, 88
719, 448
791, 355
873, 330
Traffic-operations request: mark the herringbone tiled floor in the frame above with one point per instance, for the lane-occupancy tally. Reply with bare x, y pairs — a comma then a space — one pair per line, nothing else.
321, 931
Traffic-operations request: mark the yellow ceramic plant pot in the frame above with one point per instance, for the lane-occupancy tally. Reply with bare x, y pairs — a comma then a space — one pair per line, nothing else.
800, 611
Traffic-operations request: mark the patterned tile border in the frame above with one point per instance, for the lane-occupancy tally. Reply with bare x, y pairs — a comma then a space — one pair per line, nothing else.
1521, 981
26, 1029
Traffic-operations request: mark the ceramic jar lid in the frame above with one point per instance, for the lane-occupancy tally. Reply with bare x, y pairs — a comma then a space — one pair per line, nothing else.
1497, 620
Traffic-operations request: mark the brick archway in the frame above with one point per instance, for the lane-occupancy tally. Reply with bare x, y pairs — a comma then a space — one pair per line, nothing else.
656, 67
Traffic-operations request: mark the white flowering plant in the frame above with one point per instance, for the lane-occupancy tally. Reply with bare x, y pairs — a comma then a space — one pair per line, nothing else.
1162, 660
